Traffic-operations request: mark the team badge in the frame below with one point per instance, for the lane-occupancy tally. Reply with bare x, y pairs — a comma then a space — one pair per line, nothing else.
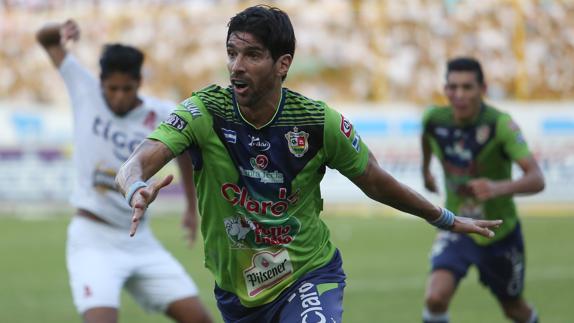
482, 134
298, 142
346, 127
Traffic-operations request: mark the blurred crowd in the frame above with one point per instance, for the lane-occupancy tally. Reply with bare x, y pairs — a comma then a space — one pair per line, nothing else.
347, 50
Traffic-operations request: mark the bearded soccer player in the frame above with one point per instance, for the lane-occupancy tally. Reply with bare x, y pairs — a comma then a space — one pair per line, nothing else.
264, 150
477, 145
110, 120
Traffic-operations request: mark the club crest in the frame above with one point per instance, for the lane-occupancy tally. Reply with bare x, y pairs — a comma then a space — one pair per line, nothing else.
297, 141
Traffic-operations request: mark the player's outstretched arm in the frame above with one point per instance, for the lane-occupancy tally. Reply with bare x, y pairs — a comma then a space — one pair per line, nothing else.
53, 37
382, 187
147, 159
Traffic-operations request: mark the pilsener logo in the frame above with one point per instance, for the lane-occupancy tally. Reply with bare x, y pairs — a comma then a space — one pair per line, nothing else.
267, 270
123, 144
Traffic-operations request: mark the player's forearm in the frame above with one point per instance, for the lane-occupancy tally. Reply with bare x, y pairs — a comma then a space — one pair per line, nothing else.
427, 154
186, 170
403, 198
148, 158
382, 187
530, 183
49, 35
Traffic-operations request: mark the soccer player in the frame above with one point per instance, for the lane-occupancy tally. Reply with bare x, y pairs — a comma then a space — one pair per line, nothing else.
477, 145
111, 119
264, 149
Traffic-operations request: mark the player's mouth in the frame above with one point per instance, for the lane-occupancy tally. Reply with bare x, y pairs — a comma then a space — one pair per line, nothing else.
239, 86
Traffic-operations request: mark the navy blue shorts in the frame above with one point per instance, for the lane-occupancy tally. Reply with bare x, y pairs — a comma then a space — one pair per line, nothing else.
500, 265
316, 297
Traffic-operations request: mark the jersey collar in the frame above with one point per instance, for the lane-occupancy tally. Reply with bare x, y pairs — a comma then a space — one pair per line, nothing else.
275, 116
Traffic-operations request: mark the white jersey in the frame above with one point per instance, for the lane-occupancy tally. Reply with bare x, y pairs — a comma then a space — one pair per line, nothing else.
103, 141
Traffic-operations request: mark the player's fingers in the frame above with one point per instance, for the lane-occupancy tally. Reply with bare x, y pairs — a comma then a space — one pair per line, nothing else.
164, 182
138, 214
145, 194
484, 232
488, 223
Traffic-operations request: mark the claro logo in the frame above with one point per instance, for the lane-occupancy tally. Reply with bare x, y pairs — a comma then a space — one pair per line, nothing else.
123, 144
236, 195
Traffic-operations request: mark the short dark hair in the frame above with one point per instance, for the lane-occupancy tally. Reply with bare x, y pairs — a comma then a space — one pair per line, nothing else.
121, 58
270, 25
465, 64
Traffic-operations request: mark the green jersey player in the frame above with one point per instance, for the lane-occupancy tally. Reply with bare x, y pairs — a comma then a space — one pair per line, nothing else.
261, 151
477, 145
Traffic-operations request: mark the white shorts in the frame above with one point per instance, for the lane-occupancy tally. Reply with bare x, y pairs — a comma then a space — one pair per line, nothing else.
102, 259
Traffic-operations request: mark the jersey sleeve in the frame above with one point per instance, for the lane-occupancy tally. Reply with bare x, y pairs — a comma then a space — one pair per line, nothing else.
512, 139
79, 81
344, 149
184, 127
427, 115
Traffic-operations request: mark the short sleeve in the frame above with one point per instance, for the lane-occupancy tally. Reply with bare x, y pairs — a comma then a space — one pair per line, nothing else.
344, 149
512, 139
184, 127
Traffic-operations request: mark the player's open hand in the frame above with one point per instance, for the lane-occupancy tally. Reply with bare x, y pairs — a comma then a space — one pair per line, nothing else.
468, 225
69, 31
142, 198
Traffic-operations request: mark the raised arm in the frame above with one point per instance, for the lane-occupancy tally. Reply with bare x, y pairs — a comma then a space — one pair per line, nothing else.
148, 158
53, 37
382, 187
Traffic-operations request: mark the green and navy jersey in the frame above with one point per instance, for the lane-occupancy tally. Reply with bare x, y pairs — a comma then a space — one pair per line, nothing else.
485, 148
258, 189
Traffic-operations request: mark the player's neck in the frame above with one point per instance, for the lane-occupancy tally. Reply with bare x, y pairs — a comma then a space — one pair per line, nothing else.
263, 111
470, 119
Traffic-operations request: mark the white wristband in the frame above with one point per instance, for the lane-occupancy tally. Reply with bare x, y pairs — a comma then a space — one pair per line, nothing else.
133, 189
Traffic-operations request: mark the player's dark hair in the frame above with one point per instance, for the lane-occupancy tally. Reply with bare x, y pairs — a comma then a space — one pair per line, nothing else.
465, 64
270, 25
121, 58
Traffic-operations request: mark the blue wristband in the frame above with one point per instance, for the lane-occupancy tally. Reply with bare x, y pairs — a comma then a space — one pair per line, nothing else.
445, 221
132, 190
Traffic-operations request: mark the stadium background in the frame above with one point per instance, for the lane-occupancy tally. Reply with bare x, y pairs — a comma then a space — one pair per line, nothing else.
379, 62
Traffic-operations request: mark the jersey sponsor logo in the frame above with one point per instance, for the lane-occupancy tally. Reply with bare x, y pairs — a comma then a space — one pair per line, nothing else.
176, 122
311, 304
346, 127
442, 132
190, 107
458, 150
239, 196
298, 142
357, 142
229, 135
237, 229
245, 233
267, 270
258, 143
123, 143
261, 161
482, 134
259, 164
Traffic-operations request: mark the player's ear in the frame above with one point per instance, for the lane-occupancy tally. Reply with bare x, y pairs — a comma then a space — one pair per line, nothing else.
283, 63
